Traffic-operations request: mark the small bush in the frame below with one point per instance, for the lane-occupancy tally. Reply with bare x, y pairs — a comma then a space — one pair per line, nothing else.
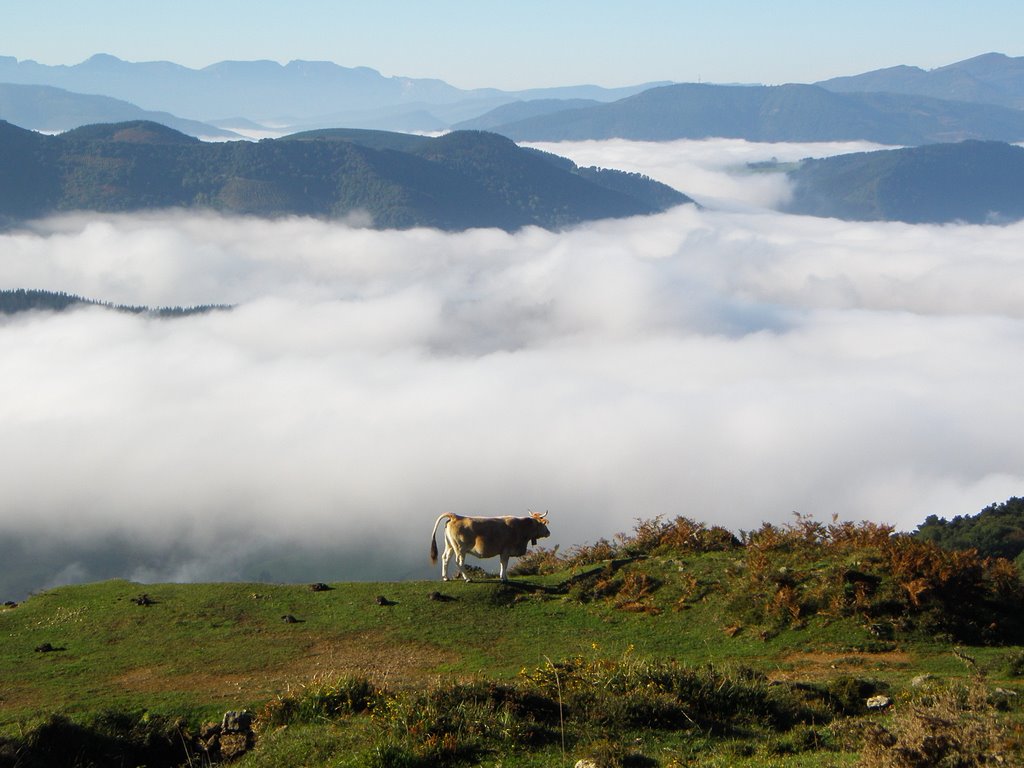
591, 554
111, 738
390, 755
455, 723
630, 693
678, 536
649, 537
636, 588
319, 700
540, 560
848, 695
614, 753
954, 726
1015, 663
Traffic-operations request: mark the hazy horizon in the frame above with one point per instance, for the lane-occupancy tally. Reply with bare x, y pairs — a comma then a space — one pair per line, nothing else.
530, 44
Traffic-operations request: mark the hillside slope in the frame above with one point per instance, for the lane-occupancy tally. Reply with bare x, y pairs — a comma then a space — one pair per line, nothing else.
459, 181
677, 640
972, 181
48, 109
991, 78
772, 113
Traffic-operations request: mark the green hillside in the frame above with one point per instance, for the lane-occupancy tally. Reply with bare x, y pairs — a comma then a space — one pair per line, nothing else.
972, 181
673, 645
455, 182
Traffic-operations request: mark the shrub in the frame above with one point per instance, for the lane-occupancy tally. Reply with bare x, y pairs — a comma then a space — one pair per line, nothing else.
457, 722
848, 695
1015, 663
321, 699
793, 572
614, 753
957, 592
590, 554
111, 738
678, 536
540, 560
649, 537
954, 726
634, 591
629, 692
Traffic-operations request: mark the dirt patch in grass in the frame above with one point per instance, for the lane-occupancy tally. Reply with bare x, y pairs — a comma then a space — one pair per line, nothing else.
820, 665
20, 697
208, 685
368, 654
373, 655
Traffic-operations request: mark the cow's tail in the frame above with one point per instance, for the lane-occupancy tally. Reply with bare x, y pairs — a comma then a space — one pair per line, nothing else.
448, 516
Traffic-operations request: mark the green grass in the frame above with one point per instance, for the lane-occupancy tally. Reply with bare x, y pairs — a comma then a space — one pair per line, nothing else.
201, 649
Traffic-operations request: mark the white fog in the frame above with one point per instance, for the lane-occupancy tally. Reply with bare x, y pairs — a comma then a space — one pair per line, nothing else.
730, 364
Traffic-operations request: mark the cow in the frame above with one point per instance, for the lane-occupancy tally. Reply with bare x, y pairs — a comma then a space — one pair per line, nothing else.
486, 537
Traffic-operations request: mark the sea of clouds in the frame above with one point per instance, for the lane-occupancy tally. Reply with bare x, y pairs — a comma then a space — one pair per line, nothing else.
728, 363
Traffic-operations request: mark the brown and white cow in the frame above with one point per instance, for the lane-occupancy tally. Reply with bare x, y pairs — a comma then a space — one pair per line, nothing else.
484, 537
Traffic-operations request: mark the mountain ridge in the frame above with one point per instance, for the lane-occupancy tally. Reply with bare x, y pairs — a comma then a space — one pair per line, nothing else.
305, 92
462, 180
51, 109
791, 112
989, 78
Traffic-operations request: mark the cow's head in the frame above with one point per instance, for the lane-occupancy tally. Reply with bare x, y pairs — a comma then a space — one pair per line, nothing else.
540, 526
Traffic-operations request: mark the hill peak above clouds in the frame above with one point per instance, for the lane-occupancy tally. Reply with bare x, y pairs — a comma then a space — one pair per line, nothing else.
463, 180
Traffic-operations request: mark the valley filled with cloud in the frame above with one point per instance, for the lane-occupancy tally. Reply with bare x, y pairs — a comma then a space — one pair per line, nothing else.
727, 363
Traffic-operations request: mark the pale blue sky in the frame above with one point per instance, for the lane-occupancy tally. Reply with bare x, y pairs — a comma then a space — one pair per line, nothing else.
526, 43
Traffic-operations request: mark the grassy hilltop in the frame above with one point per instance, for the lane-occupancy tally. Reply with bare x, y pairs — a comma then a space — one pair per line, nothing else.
674, 645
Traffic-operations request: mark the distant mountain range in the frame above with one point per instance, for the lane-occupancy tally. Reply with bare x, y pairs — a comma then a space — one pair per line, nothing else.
305, 94
977, 182
461, 180
980, 98
54, 110
516, 111
768, 113
135, 151
992, 78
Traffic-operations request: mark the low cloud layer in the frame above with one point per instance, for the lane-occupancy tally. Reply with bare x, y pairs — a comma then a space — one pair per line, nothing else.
713, 172
728, 364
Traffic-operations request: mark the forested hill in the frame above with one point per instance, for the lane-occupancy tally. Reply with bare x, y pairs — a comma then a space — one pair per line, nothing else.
790, 112
462, 180
996, 531
971, 181
19, 300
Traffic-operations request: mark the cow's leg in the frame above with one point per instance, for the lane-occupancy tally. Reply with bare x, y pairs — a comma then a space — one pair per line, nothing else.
461, 560
444, 562
503, 573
